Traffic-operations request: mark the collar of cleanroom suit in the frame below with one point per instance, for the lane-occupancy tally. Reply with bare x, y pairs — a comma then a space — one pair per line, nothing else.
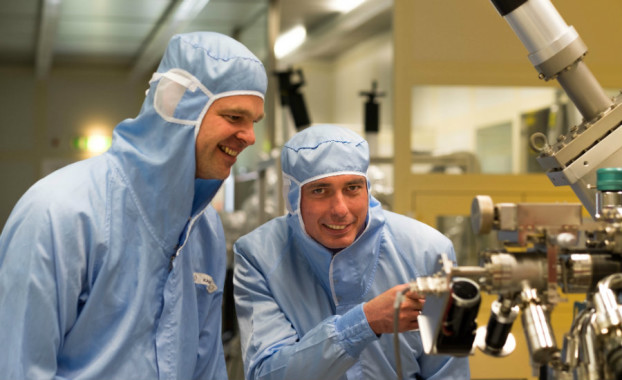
300, 305
88, 286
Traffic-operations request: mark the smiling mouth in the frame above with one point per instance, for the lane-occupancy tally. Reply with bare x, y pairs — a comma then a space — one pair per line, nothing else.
335, 226
228, 150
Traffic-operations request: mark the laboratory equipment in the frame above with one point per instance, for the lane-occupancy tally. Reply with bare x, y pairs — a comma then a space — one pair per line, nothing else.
546, 247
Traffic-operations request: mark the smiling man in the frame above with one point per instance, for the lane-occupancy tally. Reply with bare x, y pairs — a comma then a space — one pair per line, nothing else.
334, 209
226, 130
113, 267
315, 289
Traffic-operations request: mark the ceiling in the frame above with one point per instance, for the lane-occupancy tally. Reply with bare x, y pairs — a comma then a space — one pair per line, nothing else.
133, 34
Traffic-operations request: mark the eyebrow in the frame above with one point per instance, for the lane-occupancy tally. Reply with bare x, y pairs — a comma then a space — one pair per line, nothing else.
358, 181
315, 185
241, 111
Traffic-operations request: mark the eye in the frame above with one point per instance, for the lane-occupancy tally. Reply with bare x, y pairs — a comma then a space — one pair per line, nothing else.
233, 118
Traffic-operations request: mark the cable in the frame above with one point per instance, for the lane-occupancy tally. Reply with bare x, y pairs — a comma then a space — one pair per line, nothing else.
396, 339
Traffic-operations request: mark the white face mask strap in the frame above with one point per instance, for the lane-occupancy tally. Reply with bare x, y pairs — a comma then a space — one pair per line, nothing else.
184, 78
169, 92
288, 182
155, 77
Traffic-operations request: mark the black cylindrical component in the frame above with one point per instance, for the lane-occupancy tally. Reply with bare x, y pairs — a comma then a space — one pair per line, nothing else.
507, 6
458, 327
299, 110
372, 116
497, 333
603, 266
285, 85
499, 326
292, 97
465, 300
614, 361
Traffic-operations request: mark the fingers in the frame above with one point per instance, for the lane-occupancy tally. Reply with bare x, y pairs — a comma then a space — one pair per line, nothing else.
414, 296
413, 303
410, 310
414, 315
410, 321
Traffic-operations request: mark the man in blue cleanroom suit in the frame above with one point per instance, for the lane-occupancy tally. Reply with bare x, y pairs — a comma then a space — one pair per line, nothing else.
315, 289
113, 267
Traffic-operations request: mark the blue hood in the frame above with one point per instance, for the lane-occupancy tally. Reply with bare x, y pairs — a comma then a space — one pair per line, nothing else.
317, 152
155, 152
321, 151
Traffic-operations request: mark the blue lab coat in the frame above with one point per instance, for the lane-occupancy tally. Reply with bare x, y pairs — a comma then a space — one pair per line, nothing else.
300, 306
113, 267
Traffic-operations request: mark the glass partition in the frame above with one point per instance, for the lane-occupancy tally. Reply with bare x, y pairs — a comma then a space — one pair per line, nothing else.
460, 129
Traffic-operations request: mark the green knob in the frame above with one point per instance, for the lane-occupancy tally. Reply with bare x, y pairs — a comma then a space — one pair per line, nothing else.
609, 179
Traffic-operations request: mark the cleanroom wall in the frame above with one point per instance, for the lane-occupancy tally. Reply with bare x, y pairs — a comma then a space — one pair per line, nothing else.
42, 119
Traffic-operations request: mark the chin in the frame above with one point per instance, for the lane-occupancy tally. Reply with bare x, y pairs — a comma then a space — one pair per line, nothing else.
220, 175
338, 244
223, 177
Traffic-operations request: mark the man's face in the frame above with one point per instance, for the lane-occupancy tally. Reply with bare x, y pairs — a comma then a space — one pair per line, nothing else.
334, 209
226, 130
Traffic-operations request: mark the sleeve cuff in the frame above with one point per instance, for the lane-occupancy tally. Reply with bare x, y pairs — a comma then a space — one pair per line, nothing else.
354, 332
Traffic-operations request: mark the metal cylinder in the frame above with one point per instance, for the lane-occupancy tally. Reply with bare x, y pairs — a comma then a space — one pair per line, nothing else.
584, 90
590, 368
507, 273
581, 272
538, 331
553, 44
539, 27
606, 302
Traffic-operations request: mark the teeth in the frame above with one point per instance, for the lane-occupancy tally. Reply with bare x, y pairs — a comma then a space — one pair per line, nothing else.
335, 227
229, 151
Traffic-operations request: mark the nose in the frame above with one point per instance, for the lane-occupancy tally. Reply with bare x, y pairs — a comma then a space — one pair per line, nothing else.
339, 207
247, 135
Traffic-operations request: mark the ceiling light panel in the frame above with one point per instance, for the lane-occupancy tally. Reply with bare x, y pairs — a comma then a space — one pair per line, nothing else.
110, 27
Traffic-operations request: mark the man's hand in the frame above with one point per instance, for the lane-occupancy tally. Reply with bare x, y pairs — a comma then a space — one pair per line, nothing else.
380, 310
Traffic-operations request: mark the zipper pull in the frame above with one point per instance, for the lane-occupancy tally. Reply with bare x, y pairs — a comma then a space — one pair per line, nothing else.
170, 263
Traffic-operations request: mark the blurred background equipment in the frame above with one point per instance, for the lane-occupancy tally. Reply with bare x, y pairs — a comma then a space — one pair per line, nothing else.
291, 96
371, 117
